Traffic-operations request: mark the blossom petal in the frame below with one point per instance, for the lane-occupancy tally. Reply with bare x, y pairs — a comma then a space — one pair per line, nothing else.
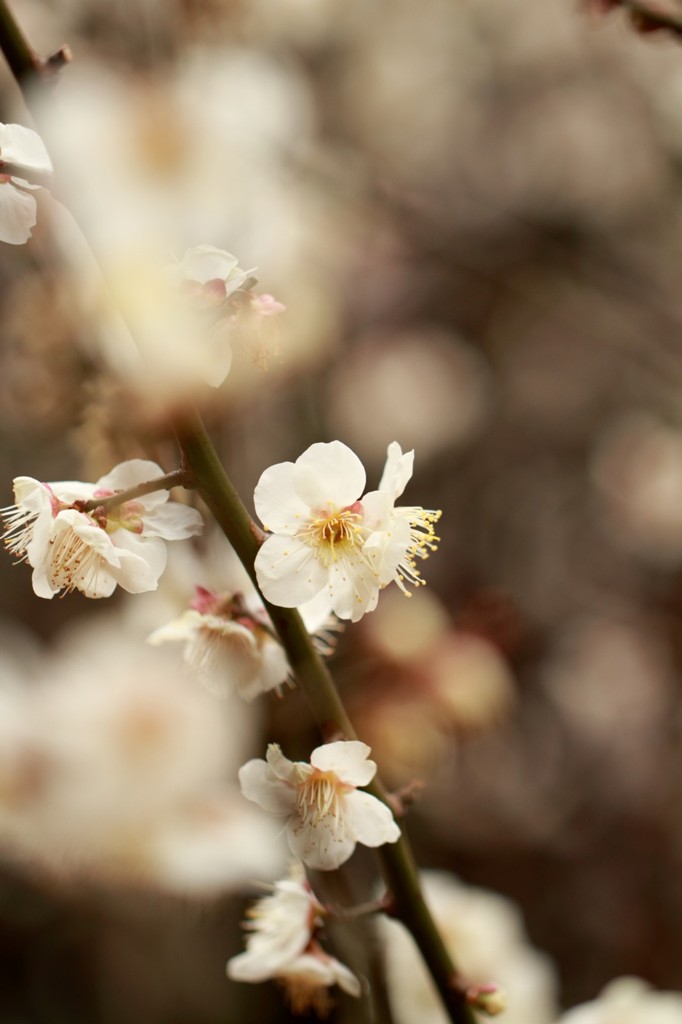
150, 550
283, 769
172, 521
140, 574
17, 214
288, 572
329, 474
262, 787
24, 147
324, 970
279, 508
389, 549
377, 509
323, 846
346, 758
370, 820
130, 474
182, 628
353, 588
41, 584
203, 263
397, 471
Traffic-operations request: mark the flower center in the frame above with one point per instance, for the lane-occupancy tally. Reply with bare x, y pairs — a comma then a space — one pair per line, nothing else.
335, 532
74, 565
319, 796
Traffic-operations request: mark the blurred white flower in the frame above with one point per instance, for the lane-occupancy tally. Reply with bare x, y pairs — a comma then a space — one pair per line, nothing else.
225, 638
637, 470
282, 944
229, 638
150, 164
19, 148
327, 814
220, 293
114, 767
484, 934
628, 1001
326, 540
71, 547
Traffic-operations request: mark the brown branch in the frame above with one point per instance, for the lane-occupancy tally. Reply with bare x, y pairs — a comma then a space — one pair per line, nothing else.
645, 15
27, 66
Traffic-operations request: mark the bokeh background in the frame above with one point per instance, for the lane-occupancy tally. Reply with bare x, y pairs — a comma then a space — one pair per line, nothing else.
472, 212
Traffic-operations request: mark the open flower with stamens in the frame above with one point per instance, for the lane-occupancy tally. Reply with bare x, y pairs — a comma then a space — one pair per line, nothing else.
229, 640
327, 813
74, 546
326, 538
20, 148
282, 944
399, 562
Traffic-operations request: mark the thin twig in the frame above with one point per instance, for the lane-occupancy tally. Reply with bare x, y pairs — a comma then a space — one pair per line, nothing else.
178, 478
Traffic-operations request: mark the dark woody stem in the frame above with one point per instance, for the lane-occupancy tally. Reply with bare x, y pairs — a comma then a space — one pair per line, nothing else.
400, 871
178, 478
648, 17
26, 65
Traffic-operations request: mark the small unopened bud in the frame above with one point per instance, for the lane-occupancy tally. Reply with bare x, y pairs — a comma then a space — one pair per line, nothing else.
489, 998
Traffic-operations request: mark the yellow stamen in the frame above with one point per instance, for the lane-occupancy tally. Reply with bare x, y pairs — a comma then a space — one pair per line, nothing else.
334, 533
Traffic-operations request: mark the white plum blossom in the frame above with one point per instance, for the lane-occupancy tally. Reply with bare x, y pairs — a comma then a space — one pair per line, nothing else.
326, 538
282, 944
327, 814
114, 768
210, 272
224, 637
19, 148
229, 638
628, 1001
222, 298
73, 543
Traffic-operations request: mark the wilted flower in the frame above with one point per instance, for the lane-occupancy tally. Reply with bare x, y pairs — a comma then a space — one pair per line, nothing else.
628, 1001
74, 547
23, 148
327, 814
282, 944
326, 539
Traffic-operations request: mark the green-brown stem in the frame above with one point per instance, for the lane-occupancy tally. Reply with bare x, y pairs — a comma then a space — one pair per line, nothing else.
178, 478
314, 679
26, 65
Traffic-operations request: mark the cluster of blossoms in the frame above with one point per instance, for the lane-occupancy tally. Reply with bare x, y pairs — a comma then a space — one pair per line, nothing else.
283, 944
20, 149
329, 539
75, 537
